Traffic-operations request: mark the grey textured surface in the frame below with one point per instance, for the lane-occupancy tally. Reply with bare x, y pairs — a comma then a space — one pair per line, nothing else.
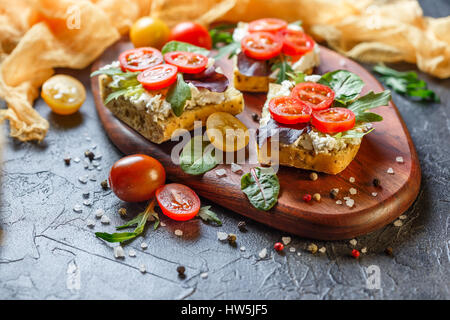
45, 247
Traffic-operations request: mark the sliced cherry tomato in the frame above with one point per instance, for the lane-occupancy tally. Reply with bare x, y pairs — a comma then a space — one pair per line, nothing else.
333, 120
158, 77
261, 45
178, 201
289, 110
296, 42
135, 60
267, 25
135, 178
315, 95
187, 62
193, 33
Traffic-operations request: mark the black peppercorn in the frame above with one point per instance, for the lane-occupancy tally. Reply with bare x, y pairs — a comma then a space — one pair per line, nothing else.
333, 194
67, 160
90, 155
255, 117
389, 251
242, 226
104, 185
376, 182
181, 270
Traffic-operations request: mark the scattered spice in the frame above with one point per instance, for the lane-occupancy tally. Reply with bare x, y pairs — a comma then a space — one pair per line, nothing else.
313, 176
278, 246
118, 252
242, 248
142, 268
222, 236
353, 242
364, 250
67, 160
307, 197
323, 250
99, 213
77, 208
221, 172
376, 182
316, 196
390, 171
89, 154
232, 239
105, 219
122, 212
144, 245
355, 253
333, 193
204, 275
292, 249
76, 160
286, 240
399, 159
104, 184
402, 217
338, 202
235, 167
350, 202
178, 232
374, 194
352, 191
352, 179
312, 248
86, 194
242, 226
263, 253
389, 251
83, 179
255, 117
132, 253
181, 270
90, 223
398, 223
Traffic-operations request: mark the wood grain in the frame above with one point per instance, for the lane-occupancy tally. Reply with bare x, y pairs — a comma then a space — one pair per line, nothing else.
318, 220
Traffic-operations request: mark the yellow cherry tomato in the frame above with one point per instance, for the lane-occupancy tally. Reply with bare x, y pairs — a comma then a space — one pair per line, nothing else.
226, 132
149, 32
63, 94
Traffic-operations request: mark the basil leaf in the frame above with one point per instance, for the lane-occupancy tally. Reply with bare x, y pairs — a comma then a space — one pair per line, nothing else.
228, 50
207, 215
284, 68
116, 237
369, 101
197, 156
261, 187
178, 94
183, 46
346, 85
368, 117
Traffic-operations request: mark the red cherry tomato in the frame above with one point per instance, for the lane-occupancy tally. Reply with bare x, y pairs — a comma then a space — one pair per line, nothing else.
267, 25
289, 110
158, 77
135, 178
296, 42
178, 201
193, 33
315, 95
261, 45
135, 60
187, 62
333, 120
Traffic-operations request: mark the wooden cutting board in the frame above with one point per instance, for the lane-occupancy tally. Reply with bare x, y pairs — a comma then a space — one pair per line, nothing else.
318, 220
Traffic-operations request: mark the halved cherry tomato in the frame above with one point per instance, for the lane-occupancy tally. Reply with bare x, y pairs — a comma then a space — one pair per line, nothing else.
296, 42
315, 95
187, 62
261, 45
63, 94
135, 178
289, 110
135, 60
158, 77
267, 25
226, 132
333, 120
193, 33
178, 201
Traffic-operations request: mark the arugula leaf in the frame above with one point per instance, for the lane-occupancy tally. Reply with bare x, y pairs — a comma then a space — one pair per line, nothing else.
114, 72
369, 101
207, 215
127, 92
346, 85
228, 50
221, 35
183, 46
297, 77
197, 156
353, 133
157, 221
406, 83
178, 94
116, 237
132, 222
284, 68
262, 187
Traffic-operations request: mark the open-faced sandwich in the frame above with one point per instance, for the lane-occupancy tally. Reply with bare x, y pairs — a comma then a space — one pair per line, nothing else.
319, 121
157, 93
269, 50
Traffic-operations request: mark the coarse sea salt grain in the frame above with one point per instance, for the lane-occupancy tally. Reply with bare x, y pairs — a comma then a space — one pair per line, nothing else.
132, 253
286, 240
204, 275
322, 250
99, 213
374, 194
353, 242
398, 223
90, 223
399, 159
221, 172
142, 268
222, 236
178, 233
352, 191
87, 203
83, 179
338, 202
402, 217
299, 253
242, 248
352, 179
78, 208
390, 171
105, 219
235, 167
144, 245
364, 250
292, 249
350, 202
263, 253
76, 159
118, 252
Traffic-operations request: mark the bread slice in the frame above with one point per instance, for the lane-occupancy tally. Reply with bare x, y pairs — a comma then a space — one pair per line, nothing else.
159, 131
295, 155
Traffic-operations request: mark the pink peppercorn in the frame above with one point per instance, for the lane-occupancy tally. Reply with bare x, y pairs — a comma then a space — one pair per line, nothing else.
278, 246
355, 253
307, 197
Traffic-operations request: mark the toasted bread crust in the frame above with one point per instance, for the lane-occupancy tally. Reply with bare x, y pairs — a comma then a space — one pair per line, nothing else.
298, 157
161, 131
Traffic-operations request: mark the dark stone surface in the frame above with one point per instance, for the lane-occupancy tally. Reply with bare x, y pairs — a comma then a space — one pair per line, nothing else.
44, 244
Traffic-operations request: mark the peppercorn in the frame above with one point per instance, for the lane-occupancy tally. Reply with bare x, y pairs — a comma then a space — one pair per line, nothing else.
333, 193
278, 246
389, 251
67, 160
123, 212
181, 270
104, 184
313, 176
376, 182
242, 226
232, 239
255, 117
312, 248
355, 253
89, 154
316, 196
307, 197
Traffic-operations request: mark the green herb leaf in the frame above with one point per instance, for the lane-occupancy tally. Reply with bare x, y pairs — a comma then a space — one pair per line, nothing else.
369, 101
261, 187
228, 50
368, 117
407, 83
114, 72
136, 220
221, 35
157, 221
183, 46
178, 94
197, 156
207, 215
115, 94
297, 23
297, 77
352, 133
346, 85
284, 68
116, 237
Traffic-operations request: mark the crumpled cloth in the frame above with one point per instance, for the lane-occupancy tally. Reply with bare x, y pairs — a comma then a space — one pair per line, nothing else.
35, 37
